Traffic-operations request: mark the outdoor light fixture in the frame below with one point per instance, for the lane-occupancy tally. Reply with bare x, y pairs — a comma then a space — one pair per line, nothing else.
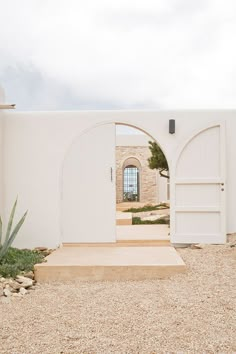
172, 126
7, 106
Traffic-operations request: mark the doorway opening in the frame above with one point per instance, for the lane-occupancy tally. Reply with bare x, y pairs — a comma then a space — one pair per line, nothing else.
142, 190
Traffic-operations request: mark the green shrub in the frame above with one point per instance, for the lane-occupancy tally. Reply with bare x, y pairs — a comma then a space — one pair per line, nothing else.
16, 261
137, 221
147, 208
9, 270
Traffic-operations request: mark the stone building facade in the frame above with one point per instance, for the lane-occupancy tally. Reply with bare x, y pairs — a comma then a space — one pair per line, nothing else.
133, 150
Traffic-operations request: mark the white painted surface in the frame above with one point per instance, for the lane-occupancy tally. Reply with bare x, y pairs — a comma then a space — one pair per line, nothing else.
198, 213
1, 165
132, 140
88, 188
35, 144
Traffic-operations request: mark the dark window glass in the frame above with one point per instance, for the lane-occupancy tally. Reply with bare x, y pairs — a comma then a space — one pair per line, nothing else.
131, 183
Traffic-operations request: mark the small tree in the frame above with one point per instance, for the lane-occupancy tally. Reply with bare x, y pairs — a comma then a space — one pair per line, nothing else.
158, 160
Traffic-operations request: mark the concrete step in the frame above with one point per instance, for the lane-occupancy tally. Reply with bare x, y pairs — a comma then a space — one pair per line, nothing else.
123, 218
109, 263
142, 232
122, 243
140, 243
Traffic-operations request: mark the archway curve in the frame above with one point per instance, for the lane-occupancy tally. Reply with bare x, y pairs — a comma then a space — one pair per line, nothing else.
194, 134
131, 160
142, 129
116, 122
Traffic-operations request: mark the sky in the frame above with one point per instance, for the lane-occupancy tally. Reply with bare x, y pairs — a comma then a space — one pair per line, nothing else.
126, 54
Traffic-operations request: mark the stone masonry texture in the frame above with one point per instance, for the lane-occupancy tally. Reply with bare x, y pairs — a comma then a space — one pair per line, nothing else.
148, 180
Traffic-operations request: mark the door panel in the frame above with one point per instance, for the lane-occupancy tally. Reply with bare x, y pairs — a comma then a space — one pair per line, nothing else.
88, 196
200, 158
199, 189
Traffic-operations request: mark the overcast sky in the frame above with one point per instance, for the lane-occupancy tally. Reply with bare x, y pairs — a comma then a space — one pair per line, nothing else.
90, 54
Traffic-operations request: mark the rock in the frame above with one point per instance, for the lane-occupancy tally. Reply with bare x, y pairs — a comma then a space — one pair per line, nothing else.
33, 287
27, 285
2, 280
1, 291
29, 275
46, 253
21, 278
7, 292
25, 282
14, 285
41, 249
17, 294
23, 291
198, 246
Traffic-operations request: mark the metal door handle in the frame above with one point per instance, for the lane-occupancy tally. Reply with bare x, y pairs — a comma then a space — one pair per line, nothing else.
111, 174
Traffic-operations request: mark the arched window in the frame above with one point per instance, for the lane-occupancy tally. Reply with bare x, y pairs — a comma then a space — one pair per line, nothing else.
131, 183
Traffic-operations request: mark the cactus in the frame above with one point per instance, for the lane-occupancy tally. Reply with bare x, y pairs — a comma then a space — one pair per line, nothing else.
10, 236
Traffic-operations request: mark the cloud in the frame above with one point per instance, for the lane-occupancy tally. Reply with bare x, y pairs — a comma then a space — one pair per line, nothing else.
30, 90
128, 54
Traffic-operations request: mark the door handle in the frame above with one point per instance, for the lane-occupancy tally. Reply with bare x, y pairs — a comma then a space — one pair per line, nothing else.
111, 174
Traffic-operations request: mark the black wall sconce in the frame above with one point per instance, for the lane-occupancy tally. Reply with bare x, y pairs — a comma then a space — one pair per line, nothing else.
172, 126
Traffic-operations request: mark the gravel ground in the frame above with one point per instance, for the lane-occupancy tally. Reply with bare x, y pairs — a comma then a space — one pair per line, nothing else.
189, 313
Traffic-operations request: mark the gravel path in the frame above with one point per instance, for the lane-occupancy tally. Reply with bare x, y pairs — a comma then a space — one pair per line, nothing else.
189, 313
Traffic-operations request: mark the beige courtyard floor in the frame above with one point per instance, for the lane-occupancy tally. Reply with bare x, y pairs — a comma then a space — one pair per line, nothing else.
193, 312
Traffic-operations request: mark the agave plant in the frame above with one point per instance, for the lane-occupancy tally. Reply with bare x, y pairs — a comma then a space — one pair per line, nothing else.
6, 242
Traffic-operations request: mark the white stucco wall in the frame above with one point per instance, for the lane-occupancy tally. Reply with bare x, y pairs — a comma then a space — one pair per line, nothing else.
1, 164
2, 100
35, 144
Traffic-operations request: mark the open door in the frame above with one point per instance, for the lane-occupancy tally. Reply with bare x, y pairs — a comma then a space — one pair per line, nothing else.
88, 188
198, 189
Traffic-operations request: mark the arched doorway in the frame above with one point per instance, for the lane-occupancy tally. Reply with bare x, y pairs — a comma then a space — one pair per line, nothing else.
140, 209
89, 186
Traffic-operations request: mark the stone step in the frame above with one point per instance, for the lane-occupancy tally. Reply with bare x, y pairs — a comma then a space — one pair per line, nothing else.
109, 263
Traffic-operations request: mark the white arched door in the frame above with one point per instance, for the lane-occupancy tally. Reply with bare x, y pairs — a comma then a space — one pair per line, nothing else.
198, 189
88, 188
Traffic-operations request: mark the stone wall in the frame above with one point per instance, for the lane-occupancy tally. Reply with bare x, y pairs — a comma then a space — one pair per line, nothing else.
148, 180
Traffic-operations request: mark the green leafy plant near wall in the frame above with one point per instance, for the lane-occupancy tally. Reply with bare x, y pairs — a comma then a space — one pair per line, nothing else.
138, 221
14, 261
17, 261
6, 242
147, 208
